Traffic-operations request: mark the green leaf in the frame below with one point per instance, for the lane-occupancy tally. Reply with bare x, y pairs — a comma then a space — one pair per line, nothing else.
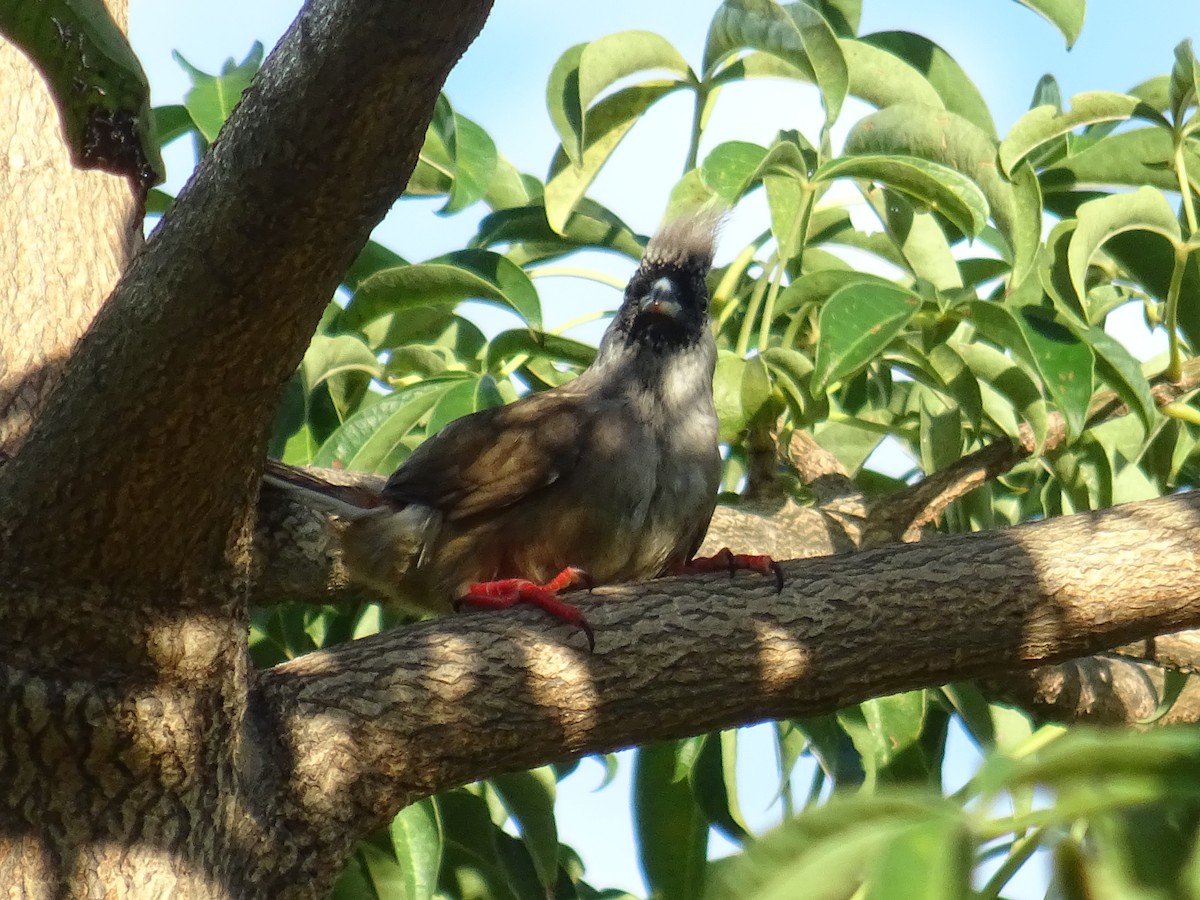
508, 344
213, 97
374, 257
999, 375
813, 289
714, 784
510, 187
472, 862
957, 381
921, 239
730, 168
379, 870
102, 94
171, 122
1062, 360
1121, 372
158, 202
796, 34
372, 434
1065, 15
941, 136
344, 363
471, 156
562, 100
741, 388
1136, 158
672, 834
1154, 92
941, 433
785, 200
416, 833
931, 184
843, 16
1099, 220
884, 730
1182, 90
929, 861
1086, 759
1047, 93
955, 88
882, 75
733, 168
790, 371
829, 851
607, 60
1045, 123
1025, 233
460, 400
968, 701
855, 324
882, 78
531, 239
607, 124
529, 799
353, 883
1174, 681
447, 280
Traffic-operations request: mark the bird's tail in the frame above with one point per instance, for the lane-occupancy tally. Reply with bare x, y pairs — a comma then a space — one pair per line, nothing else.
351, 495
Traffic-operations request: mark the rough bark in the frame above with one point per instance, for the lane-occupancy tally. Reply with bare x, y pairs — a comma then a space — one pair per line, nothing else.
139, 754
130, 764
1098, 690
207, 324
299, 561
151, 495
55, 269
376, 723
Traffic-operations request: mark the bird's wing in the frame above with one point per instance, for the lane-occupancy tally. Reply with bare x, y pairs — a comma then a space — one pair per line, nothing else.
347, 494
496, 457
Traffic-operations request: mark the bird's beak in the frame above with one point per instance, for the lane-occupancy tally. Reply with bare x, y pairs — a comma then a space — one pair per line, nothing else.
662, 300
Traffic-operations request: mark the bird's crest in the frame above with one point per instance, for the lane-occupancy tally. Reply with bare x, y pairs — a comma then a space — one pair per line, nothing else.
685, 241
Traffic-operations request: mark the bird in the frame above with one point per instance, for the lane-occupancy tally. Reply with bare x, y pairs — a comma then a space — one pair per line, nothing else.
610, 477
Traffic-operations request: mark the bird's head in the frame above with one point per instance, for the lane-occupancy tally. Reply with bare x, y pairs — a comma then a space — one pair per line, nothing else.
666, 301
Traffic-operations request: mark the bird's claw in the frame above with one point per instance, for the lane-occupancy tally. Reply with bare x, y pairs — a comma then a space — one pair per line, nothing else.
508, 592
725, 560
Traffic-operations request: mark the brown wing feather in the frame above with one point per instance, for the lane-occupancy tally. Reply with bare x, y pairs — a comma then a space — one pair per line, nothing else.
493, 458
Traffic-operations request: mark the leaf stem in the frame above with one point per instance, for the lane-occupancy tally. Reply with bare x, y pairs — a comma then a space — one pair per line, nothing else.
1185, 190
579, 320
698, 105
573, 272
764, 323
1175, 361
798, 239
754, 304
1018, 855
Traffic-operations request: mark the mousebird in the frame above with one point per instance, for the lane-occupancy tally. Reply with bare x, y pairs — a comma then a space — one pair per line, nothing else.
611, 477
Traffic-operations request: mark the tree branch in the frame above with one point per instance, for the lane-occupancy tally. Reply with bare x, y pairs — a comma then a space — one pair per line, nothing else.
61, 266
902, 516
155, 436
373, 724
1098, 690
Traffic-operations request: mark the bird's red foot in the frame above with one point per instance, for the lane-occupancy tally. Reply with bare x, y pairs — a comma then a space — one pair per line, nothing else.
510, 591
724, 560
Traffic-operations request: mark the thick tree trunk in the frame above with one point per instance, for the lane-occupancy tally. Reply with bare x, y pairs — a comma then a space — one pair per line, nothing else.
131, 764
65, 238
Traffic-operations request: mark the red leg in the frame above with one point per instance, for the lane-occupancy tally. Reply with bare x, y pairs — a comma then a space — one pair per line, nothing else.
724, 560
510, 591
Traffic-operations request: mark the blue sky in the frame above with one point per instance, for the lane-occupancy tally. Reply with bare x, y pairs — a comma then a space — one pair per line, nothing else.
500, 83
